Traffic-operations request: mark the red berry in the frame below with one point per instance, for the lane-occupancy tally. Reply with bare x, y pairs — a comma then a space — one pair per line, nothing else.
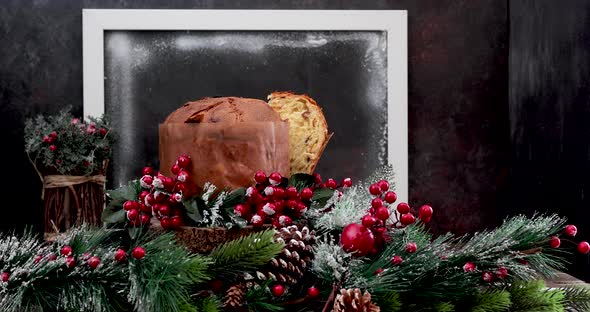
144, 219
378, 271
285, 220
51, 257
146, 209
403, 208
584, 247
502, 273
374, 189
411, 247
317, 178
146, 181
523, 261
291, 192
52, 148
368, 221
376, 202
175, 169
120, 255
383, 185
47, 139
487, 277
147, 171
176, 222
53, 134
138, 253
313, 292
70, 262
183, 161
306, 194
241, 210
554, 242
93, 262
291, 204
142, 196
5, 277
425, 212
166, 223
390, 197
331, 183
382, 213
164, 210
407, 219
278, 192
301, 207
571, 230
130, 204
358, 239
469, 267
278, 290
275, 178
102, 131
397, 260
132, 214
38, 258
216, 286
347, 182
260, 177
66, 250
257, 220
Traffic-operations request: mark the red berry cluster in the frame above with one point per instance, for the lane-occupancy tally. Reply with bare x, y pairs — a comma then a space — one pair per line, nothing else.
161, 197
330, 182
270, 201
570, 230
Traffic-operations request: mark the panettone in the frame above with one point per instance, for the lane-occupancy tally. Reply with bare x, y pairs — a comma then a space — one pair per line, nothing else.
308, 130
228, 140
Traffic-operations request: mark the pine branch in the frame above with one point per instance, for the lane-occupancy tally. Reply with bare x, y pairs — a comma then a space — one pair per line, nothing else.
210, 304
577, 298
492, 301
245, 254
533, 296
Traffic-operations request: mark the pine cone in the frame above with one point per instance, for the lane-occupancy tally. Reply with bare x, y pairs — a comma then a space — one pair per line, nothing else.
234, 297
351, 300
289, 266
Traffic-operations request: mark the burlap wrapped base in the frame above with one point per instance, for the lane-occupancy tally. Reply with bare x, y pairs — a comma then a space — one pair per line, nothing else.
72, 200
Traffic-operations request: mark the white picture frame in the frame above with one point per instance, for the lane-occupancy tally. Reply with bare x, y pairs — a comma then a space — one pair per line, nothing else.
394, 22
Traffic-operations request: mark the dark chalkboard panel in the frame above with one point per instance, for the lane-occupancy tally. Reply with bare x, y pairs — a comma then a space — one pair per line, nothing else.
148, 74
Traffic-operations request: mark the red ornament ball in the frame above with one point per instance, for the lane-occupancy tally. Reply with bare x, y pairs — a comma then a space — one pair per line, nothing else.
390, 197
306, 194
469, 267
347, 182
5, 277
584, 247
375, 190
278, 290
52, 148
175, 169
358, 239
93, 262
130, 204
411, 247
407, 219
554, 242
488, 277
368, 221
383, 185
426, 212
291, 192
275, 178
66, 250
376, 203
397, 260
502, 273
331, 183
183, 161
313, 292
147, 171
260, 177
571, 230
70, 262
120, 255
132, 214
382, 213
138, 253
403, 208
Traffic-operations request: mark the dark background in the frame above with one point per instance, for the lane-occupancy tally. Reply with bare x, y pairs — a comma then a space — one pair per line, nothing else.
499, 101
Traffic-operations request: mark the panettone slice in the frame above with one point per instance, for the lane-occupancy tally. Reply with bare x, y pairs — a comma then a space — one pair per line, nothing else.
308, 130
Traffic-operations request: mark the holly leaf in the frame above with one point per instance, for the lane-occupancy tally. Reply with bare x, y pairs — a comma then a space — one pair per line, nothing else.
301, 181
128, 192
113, 216
193, 208
321, 195
238, 196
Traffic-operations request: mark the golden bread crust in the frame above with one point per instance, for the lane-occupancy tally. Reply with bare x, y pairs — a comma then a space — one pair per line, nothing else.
223, 110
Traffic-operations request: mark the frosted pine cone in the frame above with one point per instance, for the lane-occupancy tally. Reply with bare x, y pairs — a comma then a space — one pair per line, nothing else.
351, 300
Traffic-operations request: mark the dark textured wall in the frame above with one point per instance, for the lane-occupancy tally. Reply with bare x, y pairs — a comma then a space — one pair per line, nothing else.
458, 95
550, 111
